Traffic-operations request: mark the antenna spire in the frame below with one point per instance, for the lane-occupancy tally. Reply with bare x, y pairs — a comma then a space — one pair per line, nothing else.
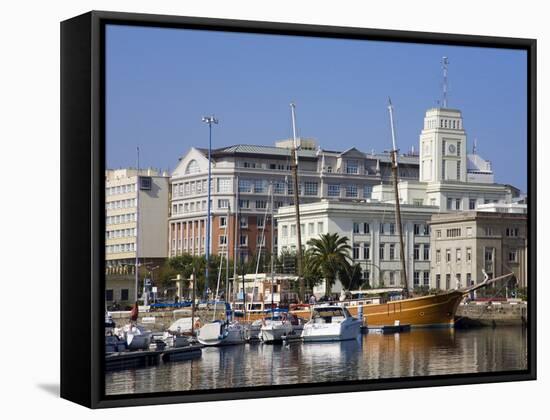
445, 81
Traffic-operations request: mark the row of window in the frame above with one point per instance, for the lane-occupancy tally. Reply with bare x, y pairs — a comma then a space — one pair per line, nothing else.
391, 254
121, 204
182, 208
364, 228
120, 189
510, 232
310, 229
456, 203
120, 233
458, 279
115, 249
183, 189
121, 218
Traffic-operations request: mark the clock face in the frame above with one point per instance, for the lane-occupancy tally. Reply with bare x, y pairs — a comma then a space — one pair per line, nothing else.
452, 148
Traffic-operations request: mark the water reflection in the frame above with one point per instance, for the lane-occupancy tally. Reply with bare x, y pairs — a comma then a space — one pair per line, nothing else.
416, 353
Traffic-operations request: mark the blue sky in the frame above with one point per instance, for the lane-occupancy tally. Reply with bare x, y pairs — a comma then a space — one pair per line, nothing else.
160, 82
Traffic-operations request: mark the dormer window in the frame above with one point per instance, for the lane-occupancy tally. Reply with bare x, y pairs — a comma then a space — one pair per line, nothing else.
352, 166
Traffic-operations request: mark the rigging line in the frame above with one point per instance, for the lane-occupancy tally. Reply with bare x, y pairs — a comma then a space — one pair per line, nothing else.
216, 297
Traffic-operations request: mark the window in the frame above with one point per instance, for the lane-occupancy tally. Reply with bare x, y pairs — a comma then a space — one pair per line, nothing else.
381, 228
259, 186
333, 190
426, 278
449, 203
469, 231
366, 251
355, 251
279, 187
249, 164
447, 281
392, 278
453, 233
192, 167
329, 169
124, 294
109, 295
366, 228
355, 227
418, 202
458, 255
310, 188
438, 233
381, 252
367, 192
457, 203
443, 165
392, 228
392, 251
458, 170
311, 229
472, 204
417, 228
292, 230
488, 231
224, 185
416, 279
352, 166
469, 281
261, 204
351, 190
427, 230
468, 254
260, 221
260, 240
426, 252
145, 182
320, 227
512, 232
448, 255
223, 204
458, 280
284, 231
223, 240
245, 185
243, 240
244, 204
416, 252
223, 221
438, 281
243, 221
513, 256
437, 256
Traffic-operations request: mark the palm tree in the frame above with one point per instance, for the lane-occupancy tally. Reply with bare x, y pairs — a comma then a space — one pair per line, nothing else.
352, 276
330, 254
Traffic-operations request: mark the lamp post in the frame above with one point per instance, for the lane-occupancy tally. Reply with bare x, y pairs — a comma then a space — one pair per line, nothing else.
208, 120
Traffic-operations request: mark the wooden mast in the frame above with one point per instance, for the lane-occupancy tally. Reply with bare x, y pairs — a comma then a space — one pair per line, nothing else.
294, 167
399, 226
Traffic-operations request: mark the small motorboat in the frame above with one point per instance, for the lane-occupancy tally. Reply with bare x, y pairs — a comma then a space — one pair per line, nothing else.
253, 330
275, 327
220, 333
136, 336
331, 323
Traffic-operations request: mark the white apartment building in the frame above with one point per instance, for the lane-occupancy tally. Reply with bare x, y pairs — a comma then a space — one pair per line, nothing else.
370, 227
135, 223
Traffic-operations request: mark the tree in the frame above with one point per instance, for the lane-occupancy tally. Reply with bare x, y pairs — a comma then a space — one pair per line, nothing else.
351, 276
330, 255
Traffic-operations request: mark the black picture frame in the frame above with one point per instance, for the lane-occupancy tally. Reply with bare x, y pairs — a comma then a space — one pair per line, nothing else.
83, 197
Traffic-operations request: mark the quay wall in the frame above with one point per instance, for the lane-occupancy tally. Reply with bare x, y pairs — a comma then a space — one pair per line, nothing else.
492, 314
161, 320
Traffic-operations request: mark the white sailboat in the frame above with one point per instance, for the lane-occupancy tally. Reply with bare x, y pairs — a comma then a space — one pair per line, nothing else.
331, 323
275, 327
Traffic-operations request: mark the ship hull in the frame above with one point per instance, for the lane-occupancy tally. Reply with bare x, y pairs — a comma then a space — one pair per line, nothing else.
424, 311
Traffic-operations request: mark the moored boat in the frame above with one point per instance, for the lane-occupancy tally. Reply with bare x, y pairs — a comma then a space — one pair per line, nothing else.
331, 323
220, 333
275, 327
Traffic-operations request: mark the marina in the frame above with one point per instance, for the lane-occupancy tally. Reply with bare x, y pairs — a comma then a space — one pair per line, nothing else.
420, 352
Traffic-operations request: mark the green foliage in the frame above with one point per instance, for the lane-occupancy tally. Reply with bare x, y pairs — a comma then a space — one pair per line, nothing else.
421, 291
329, 255
351, 276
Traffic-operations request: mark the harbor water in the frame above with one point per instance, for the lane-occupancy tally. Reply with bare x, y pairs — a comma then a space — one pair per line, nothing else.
420, 352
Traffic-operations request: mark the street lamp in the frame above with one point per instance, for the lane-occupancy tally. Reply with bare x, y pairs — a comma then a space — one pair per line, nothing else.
208, 120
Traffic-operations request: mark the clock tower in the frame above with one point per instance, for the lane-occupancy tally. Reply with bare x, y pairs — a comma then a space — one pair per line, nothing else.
443, 146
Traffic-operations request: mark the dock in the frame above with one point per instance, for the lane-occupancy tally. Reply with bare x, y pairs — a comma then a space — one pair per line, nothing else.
146, 358
390, 329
